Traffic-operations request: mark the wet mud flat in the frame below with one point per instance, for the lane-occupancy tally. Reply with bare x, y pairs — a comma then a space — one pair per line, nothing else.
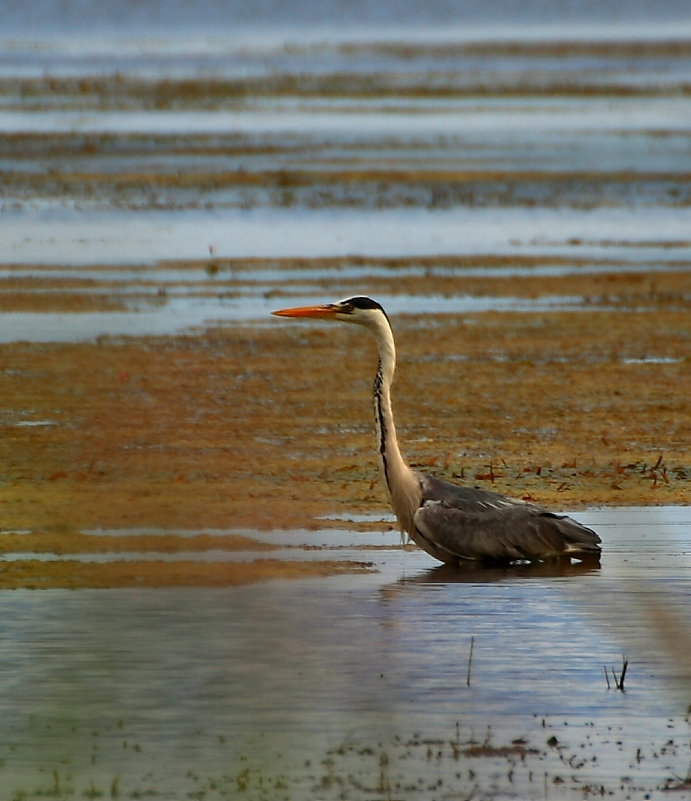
267, 426
349, 124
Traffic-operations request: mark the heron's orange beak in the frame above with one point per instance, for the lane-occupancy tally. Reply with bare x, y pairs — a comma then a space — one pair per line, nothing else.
320, 312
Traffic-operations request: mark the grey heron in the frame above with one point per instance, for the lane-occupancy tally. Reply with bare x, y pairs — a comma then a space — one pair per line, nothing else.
454, 524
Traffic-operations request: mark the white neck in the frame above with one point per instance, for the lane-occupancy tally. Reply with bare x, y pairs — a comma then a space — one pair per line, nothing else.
401, 482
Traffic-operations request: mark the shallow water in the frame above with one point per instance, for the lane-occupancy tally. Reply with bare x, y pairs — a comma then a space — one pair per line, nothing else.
52, 257
60, 238
309, 689
153, 139
184, 315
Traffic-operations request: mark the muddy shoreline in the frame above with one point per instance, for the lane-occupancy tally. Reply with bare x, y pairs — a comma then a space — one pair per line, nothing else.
268, 426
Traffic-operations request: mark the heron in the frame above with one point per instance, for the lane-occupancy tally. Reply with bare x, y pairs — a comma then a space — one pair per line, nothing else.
454, 524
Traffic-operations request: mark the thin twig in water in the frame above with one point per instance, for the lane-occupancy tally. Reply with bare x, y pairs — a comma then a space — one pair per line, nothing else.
470, 661
624, 665
618, 680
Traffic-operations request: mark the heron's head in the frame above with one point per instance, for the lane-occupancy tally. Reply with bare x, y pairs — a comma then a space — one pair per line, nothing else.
360, 310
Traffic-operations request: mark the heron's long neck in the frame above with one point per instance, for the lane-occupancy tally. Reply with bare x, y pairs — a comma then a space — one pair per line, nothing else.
403, 486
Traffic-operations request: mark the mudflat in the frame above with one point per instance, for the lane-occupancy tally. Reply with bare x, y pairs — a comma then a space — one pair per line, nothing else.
252, 427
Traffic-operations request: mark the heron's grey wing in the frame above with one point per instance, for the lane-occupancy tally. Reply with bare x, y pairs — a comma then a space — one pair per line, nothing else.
469, 499
470, 524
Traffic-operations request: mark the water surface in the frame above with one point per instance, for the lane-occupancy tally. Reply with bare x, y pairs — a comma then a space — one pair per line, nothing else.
288, 683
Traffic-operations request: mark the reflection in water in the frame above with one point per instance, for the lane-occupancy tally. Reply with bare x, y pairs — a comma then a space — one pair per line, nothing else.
469, 574
317, 686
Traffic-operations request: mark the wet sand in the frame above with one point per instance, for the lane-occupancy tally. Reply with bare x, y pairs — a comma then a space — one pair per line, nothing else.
269, 426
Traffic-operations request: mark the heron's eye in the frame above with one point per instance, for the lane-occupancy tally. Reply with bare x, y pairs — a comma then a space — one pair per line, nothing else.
347, 308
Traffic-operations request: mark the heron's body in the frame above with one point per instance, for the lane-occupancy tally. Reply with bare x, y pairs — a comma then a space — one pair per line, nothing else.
452, 523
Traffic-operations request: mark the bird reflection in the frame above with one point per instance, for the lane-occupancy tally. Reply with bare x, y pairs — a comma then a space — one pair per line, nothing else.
467, 574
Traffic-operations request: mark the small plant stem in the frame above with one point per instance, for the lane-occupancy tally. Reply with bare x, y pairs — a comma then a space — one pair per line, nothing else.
470, 661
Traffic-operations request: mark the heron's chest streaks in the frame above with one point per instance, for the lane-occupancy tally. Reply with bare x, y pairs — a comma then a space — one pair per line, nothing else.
379, 416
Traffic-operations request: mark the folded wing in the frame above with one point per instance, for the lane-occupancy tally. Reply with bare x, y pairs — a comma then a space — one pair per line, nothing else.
466, 524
